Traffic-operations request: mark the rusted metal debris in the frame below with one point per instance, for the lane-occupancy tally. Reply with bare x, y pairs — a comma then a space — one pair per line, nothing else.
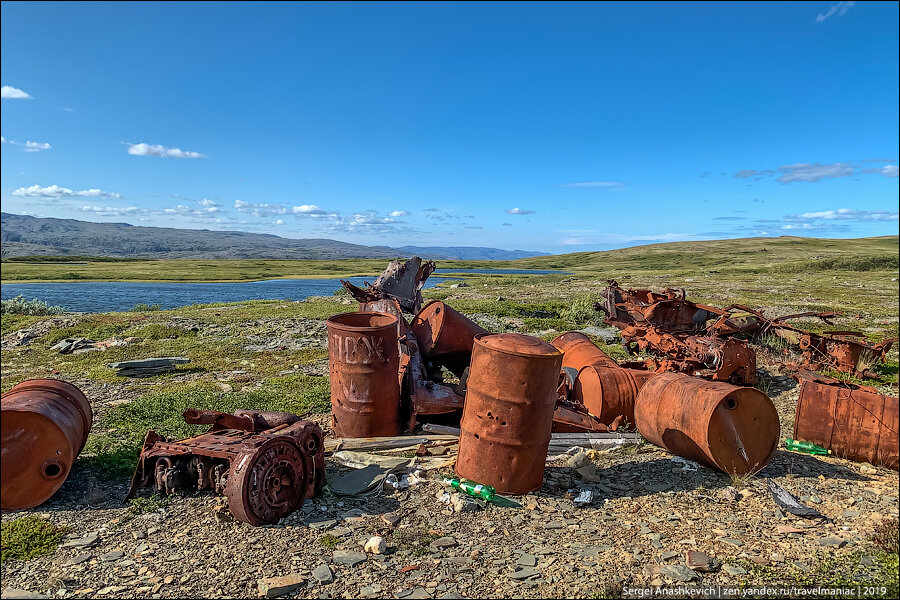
733, 429
508, 414
698, 339
265, 463
45, 424
364, 362
445, 336
852, 421
400, 281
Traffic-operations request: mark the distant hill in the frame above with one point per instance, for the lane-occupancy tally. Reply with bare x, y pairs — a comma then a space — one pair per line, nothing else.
23, 235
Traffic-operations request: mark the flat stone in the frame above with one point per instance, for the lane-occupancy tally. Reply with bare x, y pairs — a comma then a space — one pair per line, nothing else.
524, 573
323, 574
322, 523
82, 542
554, 525
390, 518
679, 573
416, 594
272, 587
350, 558
850, 514
701, 562
80, 558
731, 541
527, 560
831, 542
734, 570
442, 542
802, 566
17, 593
112, 555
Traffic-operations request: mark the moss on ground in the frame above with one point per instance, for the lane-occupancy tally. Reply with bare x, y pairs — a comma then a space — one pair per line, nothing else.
27, 537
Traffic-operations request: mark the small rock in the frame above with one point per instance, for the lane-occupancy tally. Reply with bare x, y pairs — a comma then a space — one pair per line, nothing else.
442, 542
525, 573
734, 570
77, 560
390, 518
527, 560
729, 493
17, 593
831, 542
112, 555
802, 566
589, 474
272, 587
376, 545
732, 541
82, 542
348, 557
323, 574
578, 460
701, 562
850, 514
746, 493
679, 573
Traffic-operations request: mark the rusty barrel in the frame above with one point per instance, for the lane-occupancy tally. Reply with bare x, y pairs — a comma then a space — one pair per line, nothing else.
608, 392
853, 423
364, 359
508, 412
45, 423
579, 351
733, 429
445, 335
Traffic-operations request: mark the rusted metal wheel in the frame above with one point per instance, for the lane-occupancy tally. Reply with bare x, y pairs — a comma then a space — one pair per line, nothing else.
266, 483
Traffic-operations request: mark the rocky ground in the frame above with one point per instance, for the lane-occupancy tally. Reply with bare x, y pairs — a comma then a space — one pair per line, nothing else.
653, 521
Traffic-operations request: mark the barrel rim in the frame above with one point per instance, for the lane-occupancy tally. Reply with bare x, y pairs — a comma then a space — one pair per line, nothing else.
479, 341
333, 322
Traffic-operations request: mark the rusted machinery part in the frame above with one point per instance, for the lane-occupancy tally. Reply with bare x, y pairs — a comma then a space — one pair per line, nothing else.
579, 351
568, 418
445, 336
609, 392
508, 413
855, 423
733, 429
45, 424
364, 362
264, 474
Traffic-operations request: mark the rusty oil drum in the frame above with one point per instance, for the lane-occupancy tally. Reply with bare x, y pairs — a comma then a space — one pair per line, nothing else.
45, 424
508, 413
364, 359
852, 423
733, 429
579, 351
445, 335
608, 392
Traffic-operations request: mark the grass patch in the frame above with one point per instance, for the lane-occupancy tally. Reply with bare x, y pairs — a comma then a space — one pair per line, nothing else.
20, 306
415, 540
115, 450
328, 541
149, 504
28, 537
158, 331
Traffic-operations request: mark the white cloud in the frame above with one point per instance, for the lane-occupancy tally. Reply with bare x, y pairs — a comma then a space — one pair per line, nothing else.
3, 140
846, 214
8, 92
112, 211
207, 203
55, 191
36, 146
278, 222
259, 210
519, 211
143, 149
188, 211
308, 210
399, 213
839, 9
597, 185
890, 171
814, 172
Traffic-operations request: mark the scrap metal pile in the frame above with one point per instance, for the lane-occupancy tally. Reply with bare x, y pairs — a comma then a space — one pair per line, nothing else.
395, 364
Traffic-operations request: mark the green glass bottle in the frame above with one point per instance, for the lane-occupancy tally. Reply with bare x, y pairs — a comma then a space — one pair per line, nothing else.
479, 490
805, 447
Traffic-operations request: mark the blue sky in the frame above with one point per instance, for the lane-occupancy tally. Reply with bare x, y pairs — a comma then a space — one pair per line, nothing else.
541, 126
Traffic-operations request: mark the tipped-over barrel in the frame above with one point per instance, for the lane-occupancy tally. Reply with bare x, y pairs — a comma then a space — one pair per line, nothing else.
610, 392
733, 429
852, 423
508, 414
579, 351
445, 336
45, 424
